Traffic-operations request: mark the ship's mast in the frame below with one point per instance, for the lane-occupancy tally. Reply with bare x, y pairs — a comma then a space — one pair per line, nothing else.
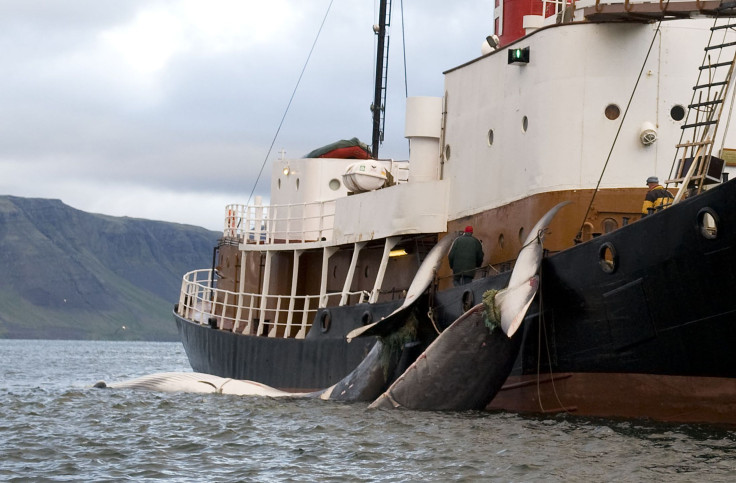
379, 99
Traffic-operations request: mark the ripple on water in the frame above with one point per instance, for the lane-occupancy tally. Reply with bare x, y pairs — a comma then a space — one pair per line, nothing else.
55, 427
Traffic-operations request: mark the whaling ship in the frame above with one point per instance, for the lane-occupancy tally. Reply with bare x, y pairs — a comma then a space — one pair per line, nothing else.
635, 313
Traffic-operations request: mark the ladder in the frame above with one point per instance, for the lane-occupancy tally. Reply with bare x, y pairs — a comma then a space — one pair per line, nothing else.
705, 109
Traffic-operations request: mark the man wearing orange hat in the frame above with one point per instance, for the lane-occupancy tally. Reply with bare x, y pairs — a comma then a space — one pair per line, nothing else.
465, 256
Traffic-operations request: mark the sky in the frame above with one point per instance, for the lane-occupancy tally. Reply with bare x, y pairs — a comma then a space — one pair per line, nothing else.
166, 109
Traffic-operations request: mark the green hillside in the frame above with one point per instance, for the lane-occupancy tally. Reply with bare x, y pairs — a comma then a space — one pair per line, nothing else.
68, 274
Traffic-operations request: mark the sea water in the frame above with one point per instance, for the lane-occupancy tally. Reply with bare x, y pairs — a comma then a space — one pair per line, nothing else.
54, 426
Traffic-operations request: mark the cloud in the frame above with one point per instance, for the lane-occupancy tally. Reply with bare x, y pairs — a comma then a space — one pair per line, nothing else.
166, 109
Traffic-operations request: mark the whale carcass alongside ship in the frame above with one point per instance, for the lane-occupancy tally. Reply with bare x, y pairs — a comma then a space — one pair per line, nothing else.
623, 313
445, 376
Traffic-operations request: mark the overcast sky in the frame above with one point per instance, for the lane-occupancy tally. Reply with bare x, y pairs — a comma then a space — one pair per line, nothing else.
166, 109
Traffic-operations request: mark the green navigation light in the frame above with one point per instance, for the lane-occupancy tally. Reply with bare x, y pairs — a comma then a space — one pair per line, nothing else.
519, 56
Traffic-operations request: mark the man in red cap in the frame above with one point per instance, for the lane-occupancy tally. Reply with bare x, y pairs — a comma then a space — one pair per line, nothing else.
465, 256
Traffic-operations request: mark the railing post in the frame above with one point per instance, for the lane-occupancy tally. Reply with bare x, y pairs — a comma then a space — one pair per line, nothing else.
289, 215
259, 224
327, 252
276, 318
248, 220
351, 272
321, 225
264, 293
182, 294
241, 290
294, 281
388, 246
305, 318
190, 304
249, 326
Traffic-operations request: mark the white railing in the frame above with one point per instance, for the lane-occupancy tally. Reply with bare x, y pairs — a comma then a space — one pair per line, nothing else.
553, 7
267, 224
249, 313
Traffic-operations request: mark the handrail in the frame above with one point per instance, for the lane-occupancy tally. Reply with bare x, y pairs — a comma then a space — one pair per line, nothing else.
283, 316
291, 223
557, 6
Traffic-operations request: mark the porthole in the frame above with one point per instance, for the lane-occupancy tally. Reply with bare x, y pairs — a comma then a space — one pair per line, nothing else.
325, 320
609, 224
521, 235
367, 318
297, 184
500, 240
334, 184
447, 152
612, 112
677, 112
607, 258
278, 183
490, 137
524, 124
708, 223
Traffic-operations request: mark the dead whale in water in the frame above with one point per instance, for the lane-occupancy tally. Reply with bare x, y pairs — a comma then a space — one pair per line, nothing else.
466, 366
455, 373
196, 382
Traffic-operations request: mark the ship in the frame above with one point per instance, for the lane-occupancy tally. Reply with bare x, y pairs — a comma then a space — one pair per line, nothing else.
569, 102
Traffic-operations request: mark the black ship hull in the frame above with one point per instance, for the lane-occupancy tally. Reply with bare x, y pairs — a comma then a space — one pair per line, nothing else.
637, 322
315, 362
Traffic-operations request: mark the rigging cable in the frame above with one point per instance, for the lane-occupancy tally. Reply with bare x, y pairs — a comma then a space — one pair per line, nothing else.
255, 184
579, 236
403, 48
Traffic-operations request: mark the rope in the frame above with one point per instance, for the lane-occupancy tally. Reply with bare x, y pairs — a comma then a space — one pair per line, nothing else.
430, 315
579, 236
549, 357
270, 148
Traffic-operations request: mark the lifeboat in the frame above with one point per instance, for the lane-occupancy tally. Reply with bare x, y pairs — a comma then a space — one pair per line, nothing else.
364, 176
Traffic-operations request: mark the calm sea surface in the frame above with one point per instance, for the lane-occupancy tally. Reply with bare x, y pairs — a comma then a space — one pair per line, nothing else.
55, 427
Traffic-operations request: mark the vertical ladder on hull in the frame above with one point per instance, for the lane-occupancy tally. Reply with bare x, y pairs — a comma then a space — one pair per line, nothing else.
706, 108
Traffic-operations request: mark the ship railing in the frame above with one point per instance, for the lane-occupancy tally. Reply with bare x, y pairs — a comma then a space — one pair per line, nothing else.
288, 223
554, 7
282, 316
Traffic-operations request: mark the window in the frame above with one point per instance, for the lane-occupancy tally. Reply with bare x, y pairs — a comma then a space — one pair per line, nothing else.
612, 112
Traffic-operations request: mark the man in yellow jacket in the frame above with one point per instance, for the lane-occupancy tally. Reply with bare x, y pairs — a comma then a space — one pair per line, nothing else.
657, 198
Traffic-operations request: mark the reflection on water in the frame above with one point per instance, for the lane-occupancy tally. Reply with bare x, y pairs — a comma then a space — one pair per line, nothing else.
55, 426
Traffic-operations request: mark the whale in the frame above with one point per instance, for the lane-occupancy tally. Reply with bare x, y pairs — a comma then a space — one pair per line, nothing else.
468, 363
197, 382
461, 370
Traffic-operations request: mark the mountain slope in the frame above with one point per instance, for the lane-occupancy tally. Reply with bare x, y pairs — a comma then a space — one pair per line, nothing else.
76, 275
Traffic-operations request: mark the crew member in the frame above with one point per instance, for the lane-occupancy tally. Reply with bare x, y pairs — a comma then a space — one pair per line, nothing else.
657, 198
465, 256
